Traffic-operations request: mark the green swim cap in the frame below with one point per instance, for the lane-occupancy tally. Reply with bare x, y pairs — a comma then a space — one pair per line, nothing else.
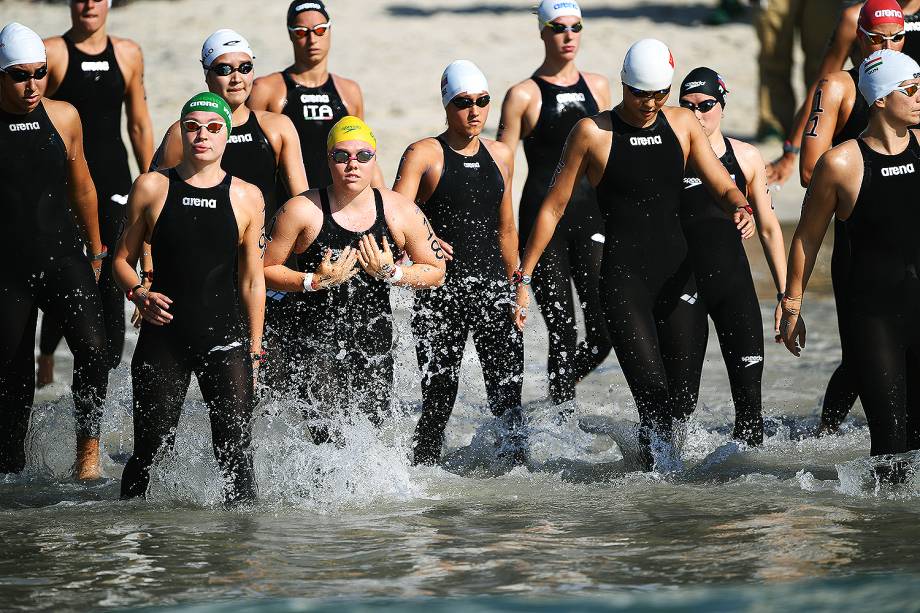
211, 103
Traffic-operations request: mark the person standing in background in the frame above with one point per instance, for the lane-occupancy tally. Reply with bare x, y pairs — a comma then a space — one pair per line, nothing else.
777, 22
98, 74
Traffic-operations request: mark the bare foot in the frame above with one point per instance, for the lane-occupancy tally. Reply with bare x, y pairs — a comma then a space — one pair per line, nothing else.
45, 374
86, 467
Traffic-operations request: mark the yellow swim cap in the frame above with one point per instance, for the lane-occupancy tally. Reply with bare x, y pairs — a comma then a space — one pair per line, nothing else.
350, 128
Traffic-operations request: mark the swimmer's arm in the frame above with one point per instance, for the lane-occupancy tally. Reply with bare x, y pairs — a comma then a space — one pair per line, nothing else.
291, 157
507, 229
768, 228
297, 221
57, 57
251, 269
821, 125
169, 153
421, 245
351, 95
132, 244
140, 127
572, 166
268, 94
600, 89
412, 167
714, 175
514, 106
834, 59
818, 209
80, 187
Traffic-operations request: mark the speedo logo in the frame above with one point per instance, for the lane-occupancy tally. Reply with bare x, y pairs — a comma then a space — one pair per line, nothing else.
644, 141
22, 127
569, 97
306, 98
692, 182
207, 203
308, 6
889, 13
903, 169
239, 138
693, 84
95, 66
471, 164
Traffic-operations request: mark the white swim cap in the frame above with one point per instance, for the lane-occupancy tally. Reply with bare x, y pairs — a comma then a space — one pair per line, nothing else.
648, 66
221, 42
548, 10
461, 76
20, 45
883, 72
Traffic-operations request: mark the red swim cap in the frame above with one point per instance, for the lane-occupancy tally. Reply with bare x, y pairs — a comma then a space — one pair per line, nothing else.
876, 12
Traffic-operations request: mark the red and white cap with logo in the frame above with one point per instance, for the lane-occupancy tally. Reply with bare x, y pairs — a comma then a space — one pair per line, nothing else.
648, 65
877, 12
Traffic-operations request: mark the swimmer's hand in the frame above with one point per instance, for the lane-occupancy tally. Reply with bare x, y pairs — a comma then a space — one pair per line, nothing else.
97, 269
136, 318
519, 311
780, 169
446, 248
329, 274
153, 307
373, 259
777, 319
744, 221
792, 333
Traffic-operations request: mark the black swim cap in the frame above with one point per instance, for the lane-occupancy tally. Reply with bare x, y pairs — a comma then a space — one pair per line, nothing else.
707, 81
302, 6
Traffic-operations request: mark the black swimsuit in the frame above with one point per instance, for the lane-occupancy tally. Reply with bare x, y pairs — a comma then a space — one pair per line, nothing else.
723, 276
45, 268
94, 85
883, 288
475, 299
195, 245
653, 310
575, 252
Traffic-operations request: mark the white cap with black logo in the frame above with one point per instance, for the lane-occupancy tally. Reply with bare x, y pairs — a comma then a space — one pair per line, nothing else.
221, 42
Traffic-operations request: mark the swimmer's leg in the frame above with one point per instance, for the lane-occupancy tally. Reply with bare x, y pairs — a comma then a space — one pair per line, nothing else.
635, 341
112, 300
740, 329
440, 330
17, 375
160, 376
586, 255
225, 379
552, 288
880, 363
500, 347
680, 317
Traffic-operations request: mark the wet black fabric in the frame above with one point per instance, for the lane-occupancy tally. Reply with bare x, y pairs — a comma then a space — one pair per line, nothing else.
49, 271
94, 85
841, 392
723, 275
342, 338
250, 157
314, 110
883, 341
475, 299
67, 290
160, 374
654, 314
195, 245
576, 249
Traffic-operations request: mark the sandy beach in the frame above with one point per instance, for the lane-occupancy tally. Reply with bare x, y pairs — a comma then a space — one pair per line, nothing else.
396, 50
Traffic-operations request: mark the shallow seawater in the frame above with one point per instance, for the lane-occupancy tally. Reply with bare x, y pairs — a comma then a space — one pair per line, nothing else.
796, 524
